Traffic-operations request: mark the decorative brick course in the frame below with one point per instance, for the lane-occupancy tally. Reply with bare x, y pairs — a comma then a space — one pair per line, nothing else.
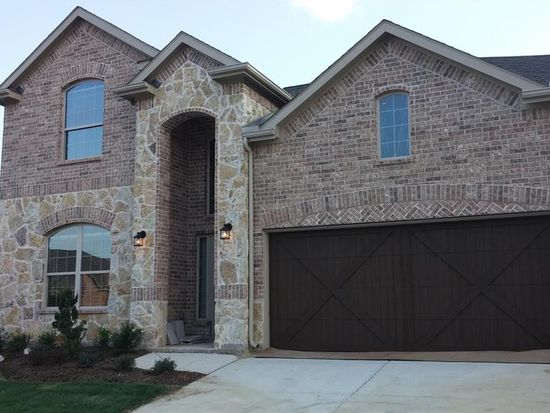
420, 201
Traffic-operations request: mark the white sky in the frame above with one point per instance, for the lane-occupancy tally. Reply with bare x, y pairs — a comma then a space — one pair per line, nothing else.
290, 41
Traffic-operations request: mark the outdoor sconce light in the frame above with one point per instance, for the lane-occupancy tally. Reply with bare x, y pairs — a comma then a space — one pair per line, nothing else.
225, 232
139, 239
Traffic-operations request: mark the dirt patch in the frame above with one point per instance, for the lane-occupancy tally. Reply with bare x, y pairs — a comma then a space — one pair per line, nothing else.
21, 368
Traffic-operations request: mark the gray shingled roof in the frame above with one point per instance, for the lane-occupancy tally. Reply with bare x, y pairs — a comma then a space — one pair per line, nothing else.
535, 68
296, 90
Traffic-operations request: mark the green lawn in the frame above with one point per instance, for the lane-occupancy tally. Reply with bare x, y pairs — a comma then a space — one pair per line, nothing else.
19, 397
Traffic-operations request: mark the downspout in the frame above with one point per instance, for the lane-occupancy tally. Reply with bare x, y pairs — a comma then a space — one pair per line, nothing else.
251, 341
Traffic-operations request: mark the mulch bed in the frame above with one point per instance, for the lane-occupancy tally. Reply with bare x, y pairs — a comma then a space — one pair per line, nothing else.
21, 368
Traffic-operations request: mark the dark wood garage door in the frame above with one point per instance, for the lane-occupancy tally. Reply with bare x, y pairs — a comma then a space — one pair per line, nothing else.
462, 285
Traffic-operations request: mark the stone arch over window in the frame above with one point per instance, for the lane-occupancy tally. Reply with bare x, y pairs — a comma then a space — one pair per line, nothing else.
91, 215
411, 202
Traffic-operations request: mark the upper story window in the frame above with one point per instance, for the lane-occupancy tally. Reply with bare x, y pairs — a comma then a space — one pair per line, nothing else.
79, 258
84, 120
393, 112
211, 178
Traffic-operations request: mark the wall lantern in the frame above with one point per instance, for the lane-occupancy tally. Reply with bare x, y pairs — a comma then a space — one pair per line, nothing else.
225, 232
139, 239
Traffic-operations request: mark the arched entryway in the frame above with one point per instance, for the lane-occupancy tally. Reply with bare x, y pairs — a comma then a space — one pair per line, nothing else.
185, 219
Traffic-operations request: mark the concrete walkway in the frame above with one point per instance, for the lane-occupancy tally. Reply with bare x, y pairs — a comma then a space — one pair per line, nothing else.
292, 385
197, 362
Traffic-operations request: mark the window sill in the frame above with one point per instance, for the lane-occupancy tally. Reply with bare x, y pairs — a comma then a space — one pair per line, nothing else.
395, 161
79, 161
87, 310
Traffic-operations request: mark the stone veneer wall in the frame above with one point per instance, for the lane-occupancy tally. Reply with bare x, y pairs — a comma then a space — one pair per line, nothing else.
25, 224
189, 91
475, 151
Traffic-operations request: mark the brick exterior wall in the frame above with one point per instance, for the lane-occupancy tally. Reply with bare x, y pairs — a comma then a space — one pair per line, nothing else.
32, 155
188, 218
475, 151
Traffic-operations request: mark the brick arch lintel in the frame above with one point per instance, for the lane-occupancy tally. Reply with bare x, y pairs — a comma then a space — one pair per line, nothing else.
91, 215
397, 87
422, 201
88, 70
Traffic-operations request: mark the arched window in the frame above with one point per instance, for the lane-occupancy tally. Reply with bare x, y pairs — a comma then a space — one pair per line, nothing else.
84, 120
393, 113
79, 258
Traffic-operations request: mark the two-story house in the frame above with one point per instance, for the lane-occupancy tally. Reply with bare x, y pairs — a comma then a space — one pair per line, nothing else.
398, 202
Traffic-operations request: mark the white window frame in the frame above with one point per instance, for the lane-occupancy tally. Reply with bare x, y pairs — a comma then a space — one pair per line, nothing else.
82, 127
78, 268
379, 124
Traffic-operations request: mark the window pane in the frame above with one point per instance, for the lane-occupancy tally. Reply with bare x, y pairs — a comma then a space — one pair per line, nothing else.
386, 103
401, 133
84, 143
62, 250
386, 118
96, 249
57, 283
386, 134
94, 290
402, 148
399, 100
387, 150
401, 116
84, 104
394, 125
202, 276
211, 175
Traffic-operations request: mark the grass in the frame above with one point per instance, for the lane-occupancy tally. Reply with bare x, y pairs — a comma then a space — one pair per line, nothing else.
19, 397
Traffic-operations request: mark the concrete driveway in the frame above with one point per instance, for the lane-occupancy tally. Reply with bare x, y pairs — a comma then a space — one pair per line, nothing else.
298, 385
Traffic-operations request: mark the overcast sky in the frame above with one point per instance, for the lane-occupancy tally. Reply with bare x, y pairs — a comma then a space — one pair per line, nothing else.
290, 41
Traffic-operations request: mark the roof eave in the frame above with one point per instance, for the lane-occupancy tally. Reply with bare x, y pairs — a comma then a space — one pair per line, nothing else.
183, 38
536, 96
248, 74
135, 91
8, 96
255, 134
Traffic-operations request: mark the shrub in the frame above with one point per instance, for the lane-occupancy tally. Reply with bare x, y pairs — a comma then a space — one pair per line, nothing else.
87, 359
103, 337
125, 363
18, 342
67, 323
164, 365
47, 338
47, 355
126, 338
4, 336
